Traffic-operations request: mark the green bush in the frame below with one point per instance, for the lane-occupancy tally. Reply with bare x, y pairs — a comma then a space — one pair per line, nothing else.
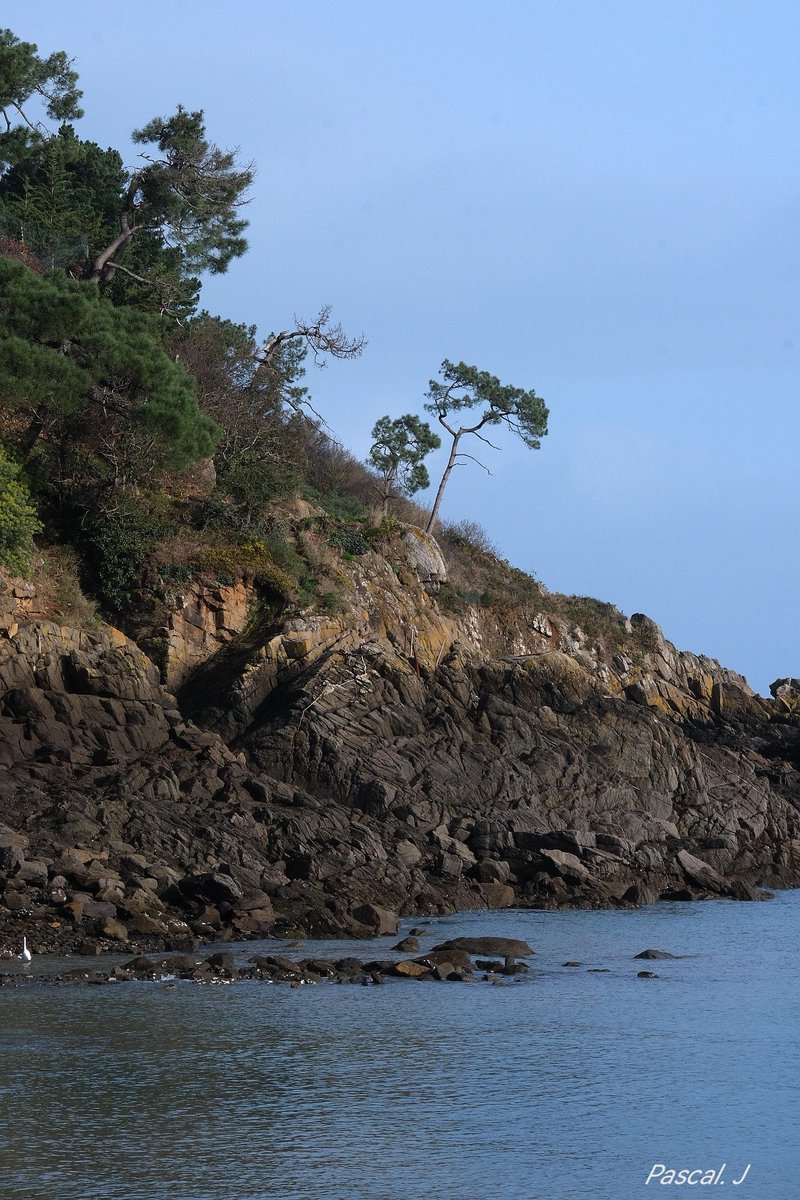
117, 544
18, 521
350, 541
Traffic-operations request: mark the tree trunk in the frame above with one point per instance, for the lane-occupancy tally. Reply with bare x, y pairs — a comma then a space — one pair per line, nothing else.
443, 484
35, 427
103, 264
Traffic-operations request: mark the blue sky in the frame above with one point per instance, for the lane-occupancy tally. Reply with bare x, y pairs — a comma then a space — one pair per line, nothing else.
597, 199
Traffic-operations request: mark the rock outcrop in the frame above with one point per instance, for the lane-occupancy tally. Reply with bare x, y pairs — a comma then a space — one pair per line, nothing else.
324, 773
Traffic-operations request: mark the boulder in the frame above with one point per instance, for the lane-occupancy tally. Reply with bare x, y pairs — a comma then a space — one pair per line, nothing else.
379, 920
407, 945
505, 947
497, 895
437, 958
411, 969
211, 885
567, 865
33, 873
114, 929
425, 557
700, 873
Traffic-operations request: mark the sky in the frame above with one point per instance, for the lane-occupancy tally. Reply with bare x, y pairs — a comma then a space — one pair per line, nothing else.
597, 199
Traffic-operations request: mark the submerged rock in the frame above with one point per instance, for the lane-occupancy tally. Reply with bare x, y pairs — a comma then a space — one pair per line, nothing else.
507, 947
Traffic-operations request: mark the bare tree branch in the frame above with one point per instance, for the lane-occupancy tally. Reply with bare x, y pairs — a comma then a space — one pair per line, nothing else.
461, 454
320, 335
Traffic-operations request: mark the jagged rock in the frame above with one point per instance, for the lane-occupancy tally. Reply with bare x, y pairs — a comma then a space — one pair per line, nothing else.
566, 865
700, 872
787, 693
387, 756
33, 873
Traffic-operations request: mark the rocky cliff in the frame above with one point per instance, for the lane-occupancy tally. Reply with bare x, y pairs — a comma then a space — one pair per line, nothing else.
314, 770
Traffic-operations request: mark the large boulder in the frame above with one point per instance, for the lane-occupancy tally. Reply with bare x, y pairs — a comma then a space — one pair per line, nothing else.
505, 947
424, 555
378, 920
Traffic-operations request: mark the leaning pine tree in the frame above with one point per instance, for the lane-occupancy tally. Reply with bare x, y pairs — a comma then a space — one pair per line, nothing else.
466, 389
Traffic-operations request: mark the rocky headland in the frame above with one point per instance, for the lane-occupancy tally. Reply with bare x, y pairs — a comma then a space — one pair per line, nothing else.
262, 770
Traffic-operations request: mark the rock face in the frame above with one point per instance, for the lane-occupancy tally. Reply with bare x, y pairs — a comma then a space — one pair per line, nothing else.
337, 771
425, 557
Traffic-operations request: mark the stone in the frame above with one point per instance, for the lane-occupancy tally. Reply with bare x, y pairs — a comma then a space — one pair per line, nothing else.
411, 969
114, 929
425, 557
149, 926
211, 885
567, 865
407, 945
459, 959
700, 872
655, 954
222, 963
497, 895
505, 947
408, 853
379, 920
491, 871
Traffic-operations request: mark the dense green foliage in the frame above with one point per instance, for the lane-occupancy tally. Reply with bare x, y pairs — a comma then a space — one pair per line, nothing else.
61, 196
398, 451
260, 454
143, 234
25, 77
79, 373
18, 520
191, 193
116, 545
106, 400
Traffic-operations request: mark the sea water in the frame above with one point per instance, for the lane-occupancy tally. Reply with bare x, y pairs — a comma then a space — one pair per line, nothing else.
567, 1083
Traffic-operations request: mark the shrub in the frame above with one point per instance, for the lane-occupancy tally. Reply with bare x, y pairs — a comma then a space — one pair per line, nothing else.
117, 545
252, 557
468, 535
18, 521
350, 541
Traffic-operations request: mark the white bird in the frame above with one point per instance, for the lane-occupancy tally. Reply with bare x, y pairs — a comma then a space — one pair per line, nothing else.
26, 954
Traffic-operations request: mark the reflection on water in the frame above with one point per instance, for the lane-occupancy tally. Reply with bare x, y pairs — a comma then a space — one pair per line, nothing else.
565, 1084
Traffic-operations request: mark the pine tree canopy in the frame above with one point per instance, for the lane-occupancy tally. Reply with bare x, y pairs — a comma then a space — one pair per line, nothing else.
73, 365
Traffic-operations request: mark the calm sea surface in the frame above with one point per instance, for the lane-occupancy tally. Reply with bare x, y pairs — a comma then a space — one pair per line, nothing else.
568, 1084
